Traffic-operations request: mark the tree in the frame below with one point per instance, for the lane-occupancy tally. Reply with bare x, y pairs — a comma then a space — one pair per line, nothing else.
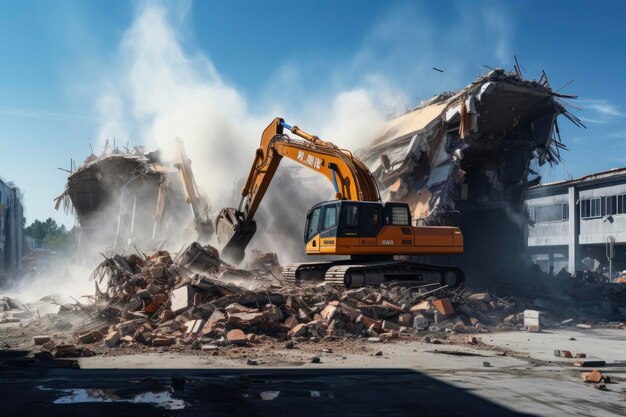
57, 238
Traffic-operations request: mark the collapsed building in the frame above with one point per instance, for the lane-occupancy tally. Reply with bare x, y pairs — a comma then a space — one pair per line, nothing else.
466, 158
135, 198
463, 158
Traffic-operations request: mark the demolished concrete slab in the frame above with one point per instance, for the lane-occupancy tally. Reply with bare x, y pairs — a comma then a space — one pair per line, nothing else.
112, 194
466, 158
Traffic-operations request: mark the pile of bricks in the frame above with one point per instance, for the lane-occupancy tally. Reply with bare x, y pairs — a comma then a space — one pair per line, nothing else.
197, 300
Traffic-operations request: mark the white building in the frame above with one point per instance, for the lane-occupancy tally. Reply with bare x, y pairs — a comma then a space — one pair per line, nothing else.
574, 221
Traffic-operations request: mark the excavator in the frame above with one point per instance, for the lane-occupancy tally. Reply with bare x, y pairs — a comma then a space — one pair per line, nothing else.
357, 223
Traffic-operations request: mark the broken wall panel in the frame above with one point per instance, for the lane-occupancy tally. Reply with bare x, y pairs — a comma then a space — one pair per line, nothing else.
125, 199
464, 159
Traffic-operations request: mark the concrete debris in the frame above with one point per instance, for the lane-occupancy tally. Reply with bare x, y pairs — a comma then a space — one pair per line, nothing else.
180, 301
594, 376
444, 306
115, 185
112, 339
563, 353
532, 321
236, 337
588, 364
40, 340
197, 301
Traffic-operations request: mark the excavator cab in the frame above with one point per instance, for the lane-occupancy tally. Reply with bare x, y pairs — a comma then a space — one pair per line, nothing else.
353, 223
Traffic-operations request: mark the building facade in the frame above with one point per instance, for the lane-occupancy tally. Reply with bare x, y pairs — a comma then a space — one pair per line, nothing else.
11, 229
579, 224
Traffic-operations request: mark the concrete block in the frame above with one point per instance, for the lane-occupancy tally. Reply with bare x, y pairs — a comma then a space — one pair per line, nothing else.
40, 340
444, 306
236, 337
163, 341
532, 322
193, 326
181, 298
112, 339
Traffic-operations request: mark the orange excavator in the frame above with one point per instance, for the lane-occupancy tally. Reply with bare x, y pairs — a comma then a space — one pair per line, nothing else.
357, 224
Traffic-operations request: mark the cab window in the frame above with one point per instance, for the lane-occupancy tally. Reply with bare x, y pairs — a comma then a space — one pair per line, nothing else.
313, 226
330, 216
400, 216
370, 219
351, 215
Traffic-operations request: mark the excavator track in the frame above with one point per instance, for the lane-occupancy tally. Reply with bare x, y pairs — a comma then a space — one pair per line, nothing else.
348, 274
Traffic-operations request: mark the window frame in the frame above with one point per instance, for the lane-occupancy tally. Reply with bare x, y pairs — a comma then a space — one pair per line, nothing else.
327, 208
307, 234
592, 214
564, 212
405, 213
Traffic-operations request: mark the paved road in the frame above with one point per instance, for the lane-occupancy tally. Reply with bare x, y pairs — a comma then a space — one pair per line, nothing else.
406, 379
306, 392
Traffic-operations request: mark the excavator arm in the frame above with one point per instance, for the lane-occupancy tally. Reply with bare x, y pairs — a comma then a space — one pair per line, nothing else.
199, 204
349, 176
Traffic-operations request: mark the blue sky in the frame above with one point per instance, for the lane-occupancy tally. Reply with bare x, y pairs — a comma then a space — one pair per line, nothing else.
74, 72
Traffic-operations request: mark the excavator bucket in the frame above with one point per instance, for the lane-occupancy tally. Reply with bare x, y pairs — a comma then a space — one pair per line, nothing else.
233, 234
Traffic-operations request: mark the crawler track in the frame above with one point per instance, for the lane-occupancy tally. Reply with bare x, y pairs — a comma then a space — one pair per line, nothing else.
350, 274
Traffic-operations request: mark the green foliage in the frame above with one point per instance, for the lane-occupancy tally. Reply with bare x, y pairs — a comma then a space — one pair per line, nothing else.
57, 238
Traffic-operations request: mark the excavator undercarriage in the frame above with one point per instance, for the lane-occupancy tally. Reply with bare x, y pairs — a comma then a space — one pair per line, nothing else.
352, 274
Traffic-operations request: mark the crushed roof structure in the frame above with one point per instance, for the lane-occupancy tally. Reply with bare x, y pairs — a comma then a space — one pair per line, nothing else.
126, 198
464, 152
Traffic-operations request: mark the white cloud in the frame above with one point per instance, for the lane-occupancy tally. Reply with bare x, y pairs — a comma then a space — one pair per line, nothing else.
47, 115
501, 28
602, 111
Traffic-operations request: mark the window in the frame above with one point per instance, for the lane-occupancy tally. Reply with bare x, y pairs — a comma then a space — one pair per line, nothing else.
549, 213
610, 205
400, 216
370, 219
352, 215
591, 208
314, 221
330, 216
621, 204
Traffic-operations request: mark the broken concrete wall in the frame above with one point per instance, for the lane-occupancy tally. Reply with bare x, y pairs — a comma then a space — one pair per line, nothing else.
125, 199
465, 158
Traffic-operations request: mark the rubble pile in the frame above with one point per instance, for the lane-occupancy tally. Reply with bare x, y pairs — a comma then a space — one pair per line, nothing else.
197, 300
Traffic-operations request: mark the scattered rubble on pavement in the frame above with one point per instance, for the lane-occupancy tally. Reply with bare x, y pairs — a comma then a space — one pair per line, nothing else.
196, 302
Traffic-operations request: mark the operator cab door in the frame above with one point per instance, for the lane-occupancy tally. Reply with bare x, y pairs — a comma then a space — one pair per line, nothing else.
370, 223
361, 220
311, 231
